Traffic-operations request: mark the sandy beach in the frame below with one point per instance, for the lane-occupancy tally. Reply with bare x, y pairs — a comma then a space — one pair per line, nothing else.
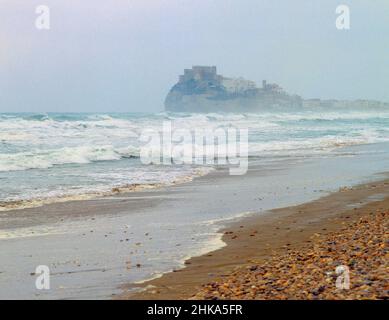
194, 150
262, 243
351, 263
110, 247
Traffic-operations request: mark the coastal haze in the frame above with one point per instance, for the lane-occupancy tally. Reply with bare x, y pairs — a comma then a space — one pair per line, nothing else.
124, 57
81, 101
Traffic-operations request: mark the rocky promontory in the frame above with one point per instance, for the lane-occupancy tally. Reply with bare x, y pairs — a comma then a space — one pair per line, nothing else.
201, 89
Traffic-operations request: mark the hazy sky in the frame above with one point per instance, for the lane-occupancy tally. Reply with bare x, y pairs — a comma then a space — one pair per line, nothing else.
124, 55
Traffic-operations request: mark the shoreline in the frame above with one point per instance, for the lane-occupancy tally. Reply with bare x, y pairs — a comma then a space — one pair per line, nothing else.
97, 247
260, 237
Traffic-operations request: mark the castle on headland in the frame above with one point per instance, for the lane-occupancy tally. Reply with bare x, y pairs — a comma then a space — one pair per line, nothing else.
201, 89
209, 74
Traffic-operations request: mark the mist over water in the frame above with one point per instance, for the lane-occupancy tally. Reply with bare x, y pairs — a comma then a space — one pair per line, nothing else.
61, 154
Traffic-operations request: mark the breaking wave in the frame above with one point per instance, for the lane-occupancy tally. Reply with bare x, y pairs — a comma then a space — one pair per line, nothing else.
44, 159
90, 154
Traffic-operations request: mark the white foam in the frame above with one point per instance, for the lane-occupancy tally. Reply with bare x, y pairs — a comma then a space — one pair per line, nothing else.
46, 141
43, 159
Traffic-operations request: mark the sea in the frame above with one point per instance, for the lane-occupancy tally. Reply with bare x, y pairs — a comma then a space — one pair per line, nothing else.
118, 237
53, 157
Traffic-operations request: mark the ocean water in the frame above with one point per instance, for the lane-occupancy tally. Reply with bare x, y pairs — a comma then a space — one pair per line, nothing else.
58, 156
294, 158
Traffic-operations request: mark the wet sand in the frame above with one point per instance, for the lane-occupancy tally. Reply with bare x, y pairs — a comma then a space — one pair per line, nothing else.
261, 237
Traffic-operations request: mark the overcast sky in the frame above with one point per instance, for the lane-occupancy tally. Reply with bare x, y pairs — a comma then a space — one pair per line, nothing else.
124, 55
